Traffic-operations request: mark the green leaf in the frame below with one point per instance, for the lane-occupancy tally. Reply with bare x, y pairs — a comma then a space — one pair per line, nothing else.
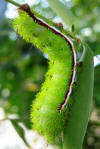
97, 86
73, 28
62, 11
82, 102
19, 130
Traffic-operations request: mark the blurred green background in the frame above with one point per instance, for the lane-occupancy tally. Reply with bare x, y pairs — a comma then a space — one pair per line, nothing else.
22, 66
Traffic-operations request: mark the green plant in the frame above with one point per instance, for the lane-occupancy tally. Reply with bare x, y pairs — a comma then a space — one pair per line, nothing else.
71, 118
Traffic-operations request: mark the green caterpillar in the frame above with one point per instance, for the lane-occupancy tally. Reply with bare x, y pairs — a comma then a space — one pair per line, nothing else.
54, 107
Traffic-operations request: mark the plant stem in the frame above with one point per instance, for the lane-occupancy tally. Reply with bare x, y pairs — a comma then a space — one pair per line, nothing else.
13, 2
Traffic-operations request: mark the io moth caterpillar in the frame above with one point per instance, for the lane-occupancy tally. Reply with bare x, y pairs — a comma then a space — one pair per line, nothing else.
51, 108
